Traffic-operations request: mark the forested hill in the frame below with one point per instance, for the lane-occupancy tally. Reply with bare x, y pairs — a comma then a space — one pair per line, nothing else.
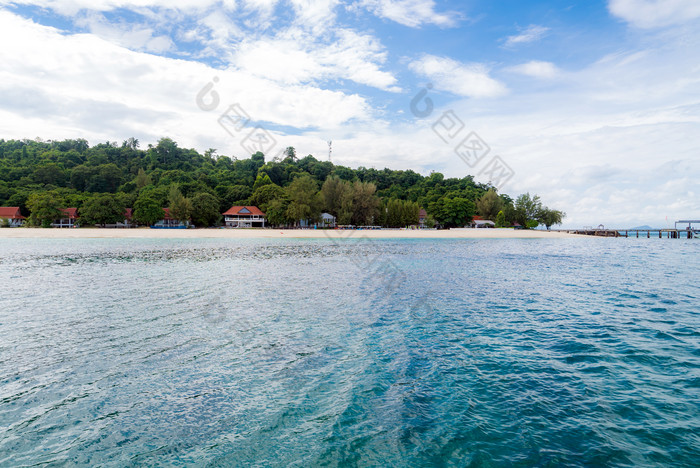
72, 174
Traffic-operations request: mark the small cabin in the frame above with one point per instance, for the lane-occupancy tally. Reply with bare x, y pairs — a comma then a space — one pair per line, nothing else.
168, 222
69, 219
13, 215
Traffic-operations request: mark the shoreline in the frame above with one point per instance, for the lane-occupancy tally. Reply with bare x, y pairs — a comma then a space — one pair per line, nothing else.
212, 233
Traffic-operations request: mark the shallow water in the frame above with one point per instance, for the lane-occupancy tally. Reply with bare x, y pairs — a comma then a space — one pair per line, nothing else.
581, 352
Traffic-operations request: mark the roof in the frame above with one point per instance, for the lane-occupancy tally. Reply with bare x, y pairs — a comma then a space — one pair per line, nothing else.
484, 221
244, 211
71, 213
327, 216
10, 212
478, 218
167, 213
128, 213
422, 213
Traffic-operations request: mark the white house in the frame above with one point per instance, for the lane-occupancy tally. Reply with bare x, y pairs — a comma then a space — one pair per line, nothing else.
244, 217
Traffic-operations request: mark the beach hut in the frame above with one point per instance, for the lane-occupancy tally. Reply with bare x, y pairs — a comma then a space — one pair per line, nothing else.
479, 222
168, 222
12, 214
244, 217
422, 216
69, 219
328, 220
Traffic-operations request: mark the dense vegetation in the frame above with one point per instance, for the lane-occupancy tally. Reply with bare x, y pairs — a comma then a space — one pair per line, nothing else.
41, 177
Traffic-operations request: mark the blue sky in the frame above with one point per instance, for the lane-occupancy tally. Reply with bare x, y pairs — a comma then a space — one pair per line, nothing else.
594, 105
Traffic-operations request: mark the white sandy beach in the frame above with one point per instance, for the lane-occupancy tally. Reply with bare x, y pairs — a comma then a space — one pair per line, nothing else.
147, 233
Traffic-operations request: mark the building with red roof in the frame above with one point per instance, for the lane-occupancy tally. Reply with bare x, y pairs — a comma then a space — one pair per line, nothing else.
244, 217
69, 220
12, 214
168, 222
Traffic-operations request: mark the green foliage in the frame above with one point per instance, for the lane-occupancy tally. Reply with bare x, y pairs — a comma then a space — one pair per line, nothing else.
4, 222
180, 207
142, 179
501, 219
528, 210
205, 209
261, 181
265, 194
399, 213
550, 217
45, 208
489, 205
305, 202
73, 171
276, 212
102, 209
147, 210
453, 212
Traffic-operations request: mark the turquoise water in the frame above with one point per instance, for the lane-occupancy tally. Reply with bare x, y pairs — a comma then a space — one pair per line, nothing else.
582, 352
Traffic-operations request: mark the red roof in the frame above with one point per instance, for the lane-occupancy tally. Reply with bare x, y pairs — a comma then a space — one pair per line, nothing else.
244, 211
10, 212
128, 213
71, 213
167, 213
477, 218
422, 213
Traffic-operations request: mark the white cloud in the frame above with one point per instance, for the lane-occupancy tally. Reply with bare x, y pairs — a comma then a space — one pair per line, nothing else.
470, 80
532, 33
133, 36
655, 13
536, 69
412, 13
295, 58
81, 84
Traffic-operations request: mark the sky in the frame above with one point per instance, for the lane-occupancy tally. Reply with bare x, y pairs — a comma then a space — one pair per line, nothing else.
594, 105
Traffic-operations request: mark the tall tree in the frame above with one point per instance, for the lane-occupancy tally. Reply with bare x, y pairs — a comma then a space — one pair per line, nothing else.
142, 179
489, 205
550, 217
44, 208
304, 200
102, 209
147, 210
205, 209
180, 207
528, 210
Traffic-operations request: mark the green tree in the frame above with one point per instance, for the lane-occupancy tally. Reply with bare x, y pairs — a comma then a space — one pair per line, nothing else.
142, 179
147, 210
276, 212
45, 208
180, 207
550, 217
261, 181
365, 204
501, 219
528, 209
102, 209
332, 192
205, 209
266, 194
304, 200
489, 205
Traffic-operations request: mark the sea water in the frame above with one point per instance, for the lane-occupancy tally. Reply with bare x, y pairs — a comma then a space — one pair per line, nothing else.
352, 352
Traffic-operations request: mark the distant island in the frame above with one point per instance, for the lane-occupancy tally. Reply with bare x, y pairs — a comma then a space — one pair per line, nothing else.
47, 179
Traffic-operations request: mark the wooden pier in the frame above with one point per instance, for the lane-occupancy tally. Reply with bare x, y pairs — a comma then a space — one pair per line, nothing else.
648, 233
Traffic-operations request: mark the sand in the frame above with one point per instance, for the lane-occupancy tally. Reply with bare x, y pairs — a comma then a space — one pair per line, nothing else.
147, 233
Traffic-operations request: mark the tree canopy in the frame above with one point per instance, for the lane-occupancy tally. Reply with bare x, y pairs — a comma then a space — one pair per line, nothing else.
43, 176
